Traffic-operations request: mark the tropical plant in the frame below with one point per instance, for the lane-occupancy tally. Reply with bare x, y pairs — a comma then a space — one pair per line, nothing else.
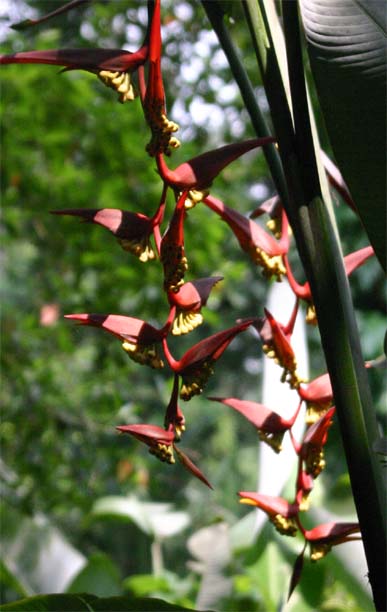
300, 208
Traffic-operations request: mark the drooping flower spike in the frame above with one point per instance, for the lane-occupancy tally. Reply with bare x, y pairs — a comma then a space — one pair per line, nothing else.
318, 396
188, 301
351, 263
276, 344
27, 23
262, 247
161, 444
132, 230
199, 172
312, 448
270, 425
139, 339
197, 364
280, 512
113, 66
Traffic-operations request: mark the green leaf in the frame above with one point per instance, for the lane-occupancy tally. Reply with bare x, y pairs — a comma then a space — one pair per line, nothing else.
155, 519
100, 575
8, 579
80, 602
347, 50
40, 556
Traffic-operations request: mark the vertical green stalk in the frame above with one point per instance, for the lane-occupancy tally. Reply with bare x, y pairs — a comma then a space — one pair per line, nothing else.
338, 328
215, 15
320, 253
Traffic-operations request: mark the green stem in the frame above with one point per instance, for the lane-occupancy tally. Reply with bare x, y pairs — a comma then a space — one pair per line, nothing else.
261, 127
339, 333
320, 253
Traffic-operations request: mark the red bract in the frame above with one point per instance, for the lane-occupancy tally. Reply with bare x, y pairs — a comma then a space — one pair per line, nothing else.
172, 252
303, 488
132, 230
196, 365
153, 99
276, 344
314, 440
263, 249
318, 396
188, 301
199, 172
113, 66
323, 537
270, 425
174, 418
161, 444
159, 440
138, 338
280, 512
351, 263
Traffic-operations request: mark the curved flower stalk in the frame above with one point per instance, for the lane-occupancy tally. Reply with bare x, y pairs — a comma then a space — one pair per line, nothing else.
132, 230
351, 263
199, 172
280, 512
161, 443
188, 301
270, 425
139, 339
197, 364
276, 345
311, 451
262, 248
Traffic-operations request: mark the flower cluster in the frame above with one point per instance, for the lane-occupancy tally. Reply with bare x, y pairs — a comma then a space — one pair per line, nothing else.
161, 240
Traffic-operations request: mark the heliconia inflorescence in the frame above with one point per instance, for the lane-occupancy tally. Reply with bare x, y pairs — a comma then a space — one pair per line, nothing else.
161, 240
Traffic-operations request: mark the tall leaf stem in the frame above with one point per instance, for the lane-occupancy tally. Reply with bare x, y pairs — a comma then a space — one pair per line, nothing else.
321, 256
338, 329
216, 17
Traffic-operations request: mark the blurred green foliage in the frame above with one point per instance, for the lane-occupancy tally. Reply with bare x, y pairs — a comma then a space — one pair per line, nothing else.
67, 143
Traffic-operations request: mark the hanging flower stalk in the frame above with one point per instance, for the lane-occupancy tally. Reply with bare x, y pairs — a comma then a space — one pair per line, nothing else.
160, 240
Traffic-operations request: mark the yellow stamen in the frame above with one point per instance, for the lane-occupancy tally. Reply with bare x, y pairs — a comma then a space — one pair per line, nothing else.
311, 317
120, 82
194, 197
314, 462
274, 440
194, 383
140, 248
164, 452
284, 525
272, 265
175, 266
316, 410
144, 355
185, 322
318, 551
